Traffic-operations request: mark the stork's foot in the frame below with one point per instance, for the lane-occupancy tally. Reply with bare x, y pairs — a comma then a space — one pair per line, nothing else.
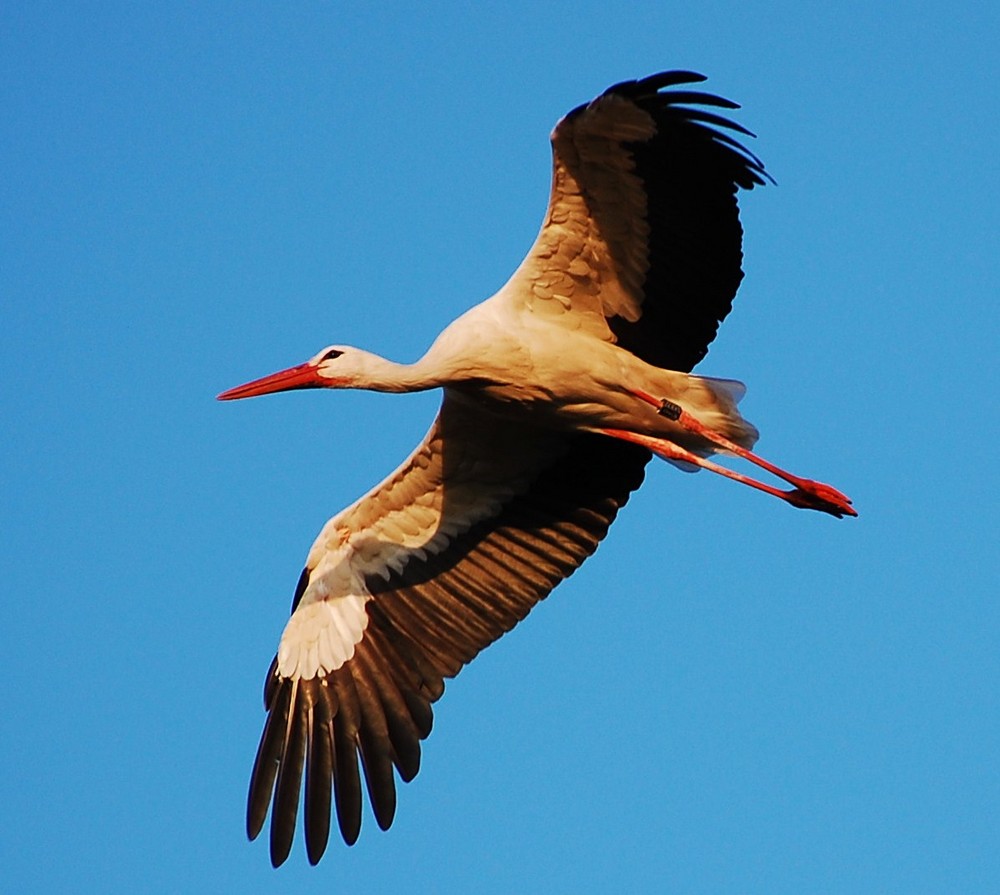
810, 495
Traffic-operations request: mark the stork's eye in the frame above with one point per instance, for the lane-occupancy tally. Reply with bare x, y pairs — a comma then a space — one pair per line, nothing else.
331, 355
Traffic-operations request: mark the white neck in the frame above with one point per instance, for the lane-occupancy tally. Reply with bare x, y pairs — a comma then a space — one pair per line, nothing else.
364, 370
381, 375
456, 356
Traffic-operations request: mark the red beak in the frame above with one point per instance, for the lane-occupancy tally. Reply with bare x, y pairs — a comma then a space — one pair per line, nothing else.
301, 376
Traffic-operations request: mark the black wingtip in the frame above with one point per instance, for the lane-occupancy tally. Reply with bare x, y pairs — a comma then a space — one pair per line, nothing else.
699, 98
646, 92
673, 77
653, 83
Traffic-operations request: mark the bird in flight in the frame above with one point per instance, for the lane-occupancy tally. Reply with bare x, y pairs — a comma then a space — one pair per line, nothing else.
556, 393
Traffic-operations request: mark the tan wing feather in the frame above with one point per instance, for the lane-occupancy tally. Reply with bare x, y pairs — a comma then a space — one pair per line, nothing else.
576, 265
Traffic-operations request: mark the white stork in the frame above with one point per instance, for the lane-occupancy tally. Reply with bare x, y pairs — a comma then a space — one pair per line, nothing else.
557, 390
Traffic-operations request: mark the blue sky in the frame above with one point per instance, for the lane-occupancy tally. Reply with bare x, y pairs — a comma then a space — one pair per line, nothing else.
731, 695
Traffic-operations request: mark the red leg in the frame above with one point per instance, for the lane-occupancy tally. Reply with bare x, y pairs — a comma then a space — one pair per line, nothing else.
816, 496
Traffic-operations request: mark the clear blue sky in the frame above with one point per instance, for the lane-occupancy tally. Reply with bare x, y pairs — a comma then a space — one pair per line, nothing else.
731, 696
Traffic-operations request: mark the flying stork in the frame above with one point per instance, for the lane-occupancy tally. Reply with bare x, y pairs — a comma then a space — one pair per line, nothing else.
557, 391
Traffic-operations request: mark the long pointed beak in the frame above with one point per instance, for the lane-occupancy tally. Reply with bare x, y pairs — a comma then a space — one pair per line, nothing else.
301, 376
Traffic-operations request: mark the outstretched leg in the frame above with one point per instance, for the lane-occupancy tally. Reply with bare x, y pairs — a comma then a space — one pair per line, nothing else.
806, 494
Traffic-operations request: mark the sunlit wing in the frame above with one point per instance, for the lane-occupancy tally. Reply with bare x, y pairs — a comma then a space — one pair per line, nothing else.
642, 241
405, 587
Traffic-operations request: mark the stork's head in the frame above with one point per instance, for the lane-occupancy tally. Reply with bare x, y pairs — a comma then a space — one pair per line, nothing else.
336, 366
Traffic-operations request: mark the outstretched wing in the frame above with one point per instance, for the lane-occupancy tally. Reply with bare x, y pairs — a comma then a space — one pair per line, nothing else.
405, 587
642, 241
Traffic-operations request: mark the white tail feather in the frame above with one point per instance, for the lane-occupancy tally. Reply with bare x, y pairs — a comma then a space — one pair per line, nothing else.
715, 406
